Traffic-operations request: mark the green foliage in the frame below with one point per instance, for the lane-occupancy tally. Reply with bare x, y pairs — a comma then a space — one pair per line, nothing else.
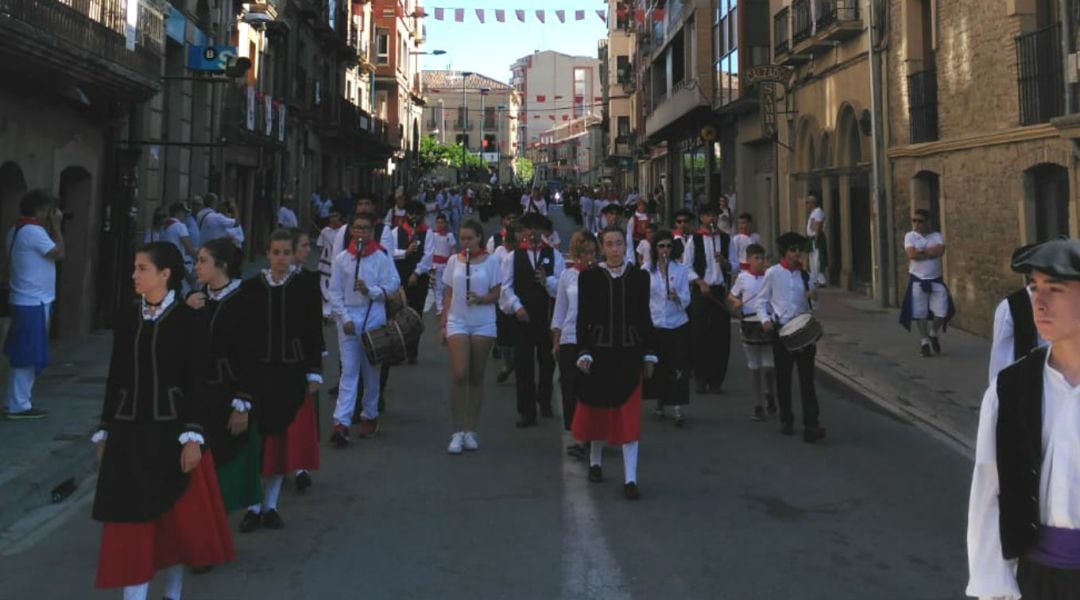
434, 154
523, 169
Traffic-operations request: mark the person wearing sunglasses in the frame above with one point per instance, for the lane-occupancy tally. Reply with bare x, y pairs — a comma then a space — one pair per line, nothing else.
669, 298
927, 302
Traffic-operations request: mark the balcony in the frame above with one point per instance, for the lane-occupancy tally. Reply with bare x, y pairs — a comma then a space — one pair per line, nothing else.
782, 54
683, 99
1040, 76
922, 106
802, 25
245, 119
82, 42
838, 20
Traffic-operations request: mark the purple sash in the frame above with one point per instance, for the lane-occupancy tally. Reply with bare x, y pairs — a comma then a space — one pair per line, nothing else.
1058, 548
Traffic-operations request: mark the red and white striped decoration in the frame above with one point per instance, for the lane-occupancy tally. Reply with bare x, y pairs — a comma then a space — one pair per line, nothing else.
541, 15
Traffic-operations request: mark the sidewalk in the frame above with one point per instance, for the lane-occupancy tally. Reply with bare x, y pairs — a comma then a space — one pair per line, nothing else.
866, 350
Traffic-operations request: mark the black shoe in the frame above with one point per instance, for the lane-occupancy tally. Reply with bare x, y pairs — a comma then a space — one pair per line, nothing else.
702, 388
787, 429
577, 451
925, 351
30, 414
251, 521
272, 520
759, 414
339, 439
503, 375
596, 474
630, 491
303, 482
813, 434
935, 343
525, 422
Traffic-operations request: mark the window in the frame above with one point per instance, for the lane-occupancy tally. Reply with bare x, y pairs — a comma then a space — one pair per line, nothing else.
1047, 206
623, 73
462, 118
623, 129
381, 103
462, 139
582, 90
489, 117
382, 47
726, 51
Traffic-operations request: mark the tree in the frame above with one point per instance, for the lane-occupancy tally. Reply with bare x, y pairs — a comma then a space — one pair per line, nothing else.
434, 154
523, 169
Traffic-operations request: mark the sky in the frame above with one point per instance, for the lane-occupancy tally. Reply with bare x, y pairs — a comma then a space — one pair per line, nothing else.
491, 48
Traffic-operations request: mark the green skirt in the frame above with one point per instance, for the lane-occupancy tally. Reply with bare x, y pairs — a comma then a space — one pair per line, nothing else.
240, 479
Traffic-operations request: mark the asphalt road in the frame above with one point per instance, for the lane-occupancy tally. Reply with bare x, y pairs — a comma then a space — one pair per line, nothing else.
729, 509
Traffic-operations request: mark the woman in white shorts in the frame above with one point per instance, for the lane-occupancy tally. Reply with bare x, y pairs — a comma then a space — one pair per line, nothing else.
473, 282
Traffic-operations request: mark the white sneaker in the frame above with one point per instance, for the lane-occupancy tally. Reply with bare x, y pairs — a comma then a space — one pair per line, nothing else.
456, 441
471, 443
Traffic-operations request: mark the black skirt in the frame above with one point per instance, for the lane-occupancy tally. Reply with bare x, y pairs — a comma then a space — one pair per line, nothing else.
140, 476
670, 383
225, 445
280, 392
1040, 582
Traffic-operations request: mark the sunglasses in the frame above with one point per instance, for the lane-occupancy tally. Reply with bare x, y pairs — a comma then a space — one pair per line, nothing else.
918, 220
681, 221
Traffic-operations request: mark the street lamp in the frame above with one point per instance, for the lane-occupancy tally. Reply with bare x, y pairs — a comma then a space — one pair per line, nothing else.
465, 125
483, 115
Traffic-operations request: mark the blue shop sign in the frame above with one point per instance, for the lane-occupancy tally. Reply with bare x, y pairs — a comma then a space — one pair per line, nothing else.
212, 59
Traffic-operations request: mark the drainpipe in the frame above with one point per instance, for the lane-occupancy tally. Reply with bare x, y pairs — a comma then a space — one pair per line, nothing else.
1065, 10
877, 46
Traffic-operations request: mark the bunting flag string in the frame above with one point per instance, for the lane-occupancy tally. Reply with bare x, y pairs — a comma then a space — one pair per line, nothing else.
541, 15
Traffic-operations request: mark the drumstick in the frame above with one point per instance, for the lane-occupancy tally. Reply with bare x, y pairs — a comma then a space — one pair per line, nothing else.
667, 284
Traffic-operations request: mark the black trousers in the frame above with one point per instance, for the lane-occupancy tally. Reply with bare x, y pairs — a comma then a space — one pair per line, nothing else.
415, 297
1040, 582
669, 384
711, 326
568, 381
803, 360
532, 346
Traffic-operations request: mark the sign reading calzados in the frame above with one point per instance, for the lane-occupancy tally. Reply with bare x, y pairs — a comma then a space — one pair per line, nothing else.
768, 73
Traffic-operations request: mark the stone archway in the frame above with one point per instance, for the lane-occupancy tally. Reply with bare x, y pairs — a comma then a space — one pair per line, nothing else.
856, 248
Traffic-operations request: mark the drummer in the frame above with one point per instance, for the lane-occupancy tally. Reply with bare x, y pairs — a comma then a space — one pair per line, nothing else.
787, 292
362, 277
759, 356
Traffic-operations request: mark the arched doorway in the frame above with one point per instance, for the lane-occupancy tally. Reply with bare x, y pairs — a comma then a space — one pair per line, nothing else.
859, 221
74, 272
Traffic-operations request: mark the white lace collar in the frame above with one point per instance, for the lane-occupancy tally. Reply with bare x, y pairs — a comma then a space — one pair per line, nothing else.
229, 288
153, 313
616, 272
288, 275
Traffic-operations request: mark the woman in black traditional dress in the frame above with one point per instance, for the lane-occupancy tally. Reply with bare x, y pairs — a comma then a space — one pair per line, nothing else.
286, 343
222, 304
157, 490
615, 335
301, 254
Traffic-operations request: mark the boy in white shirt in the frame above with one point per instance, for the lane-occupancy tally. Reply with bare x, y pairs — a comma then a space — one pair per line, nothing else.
741, 241
325, 244
759, 358
444, 249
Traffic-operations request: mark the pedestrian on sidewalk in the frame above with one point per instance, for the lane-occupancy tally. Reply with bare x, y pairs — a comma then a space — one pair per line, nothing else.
706, 253
927, 302
362, 278
286, 216
221, 304
1023, 533
34, 245
669, 299
504, 322
530, 280
445, 243
288, 355
755, 343
615, 338
213, 224
787, 292
473, 280
583, 252
818, 245
157, 490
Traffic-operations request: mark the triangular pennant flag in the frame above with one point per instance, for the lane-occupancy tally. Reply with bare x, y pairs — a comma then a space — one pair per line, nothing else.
439, 14
579, 99
459, 15
597, 98
480, 15
561, 15
541, 98
658, 14
558, 97
552, 117
500, 15
639, 16
603, 15
565, 118
540, 16
579, 15
520, 14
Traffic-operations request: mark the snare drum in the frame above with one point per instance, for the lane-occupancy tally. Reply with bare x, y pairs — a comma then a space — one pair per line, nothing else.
800, 332
753, 334
394, 304
387, 344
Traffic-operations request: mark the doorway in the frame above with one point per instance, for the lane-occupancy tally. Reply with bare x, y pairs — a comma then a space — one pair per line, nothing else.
862, 249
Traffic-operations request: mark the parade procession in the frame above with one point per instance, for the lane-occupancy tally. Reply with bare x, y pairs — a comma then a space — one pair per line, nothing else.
561, 300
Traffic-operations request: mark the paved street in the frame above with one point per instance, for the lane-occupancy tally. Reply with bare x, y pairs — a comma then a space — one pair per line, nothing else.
730, 509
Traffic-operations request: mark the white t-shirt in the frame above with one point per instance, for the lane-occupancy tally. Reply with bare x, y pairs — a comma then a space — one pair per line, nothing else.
644, 250
815, 215
173, 233
33, 275
482, 277
326, 238
286, 217
444, 244
747, 288
931, 267
213, 225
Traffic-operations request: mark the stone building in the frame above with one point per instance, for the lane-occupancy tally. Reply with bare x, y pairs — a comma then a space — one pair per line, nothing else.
555, 88
399, 100
974, 89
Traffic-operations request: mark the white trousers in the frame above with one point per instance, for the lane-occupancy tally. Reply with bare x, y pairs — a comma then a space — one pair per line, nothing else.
355, 367
440, 288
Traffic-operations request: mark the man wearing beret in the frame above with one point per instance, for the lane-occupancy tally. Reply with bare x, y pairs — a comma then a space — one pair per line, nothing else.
1024, 513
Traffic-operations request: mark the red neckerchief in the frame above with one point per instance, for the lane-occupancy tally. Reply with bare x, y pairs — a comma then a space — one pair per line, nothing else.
441, 230
410, 230
579, 267
526, 246
478, 253
169, 222
28, 221
371, 247
790, 267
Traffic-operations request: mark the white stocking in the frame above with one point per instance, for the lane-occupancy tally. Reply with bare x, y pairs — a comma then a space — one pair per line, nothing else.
271, 491
596, 450
136, 592
174, 582
629, 457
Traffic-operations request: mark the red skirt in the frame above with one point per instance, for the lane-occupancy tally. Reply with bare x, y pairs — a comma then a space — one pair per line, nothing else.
616, 425
298, 447
193, 532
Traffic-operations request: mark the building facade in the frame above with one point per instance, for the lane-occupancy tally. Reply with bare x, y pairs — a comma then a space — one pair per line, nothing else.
399, 99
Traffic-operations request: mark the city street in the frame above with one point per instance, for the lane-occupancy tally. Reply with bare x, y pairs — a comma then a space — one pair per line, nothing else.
729, 509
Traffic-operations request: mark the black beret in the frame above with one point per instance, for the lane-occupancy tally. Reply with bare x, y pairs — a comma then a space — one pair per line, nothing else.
682, 212
791, 240
1057, 258
611, 208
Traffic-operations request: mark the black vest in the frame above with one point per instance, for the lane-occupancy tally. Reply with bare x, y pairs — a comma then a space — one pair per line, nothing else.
496, 240
700, 261
408, 264
1025, 337
533, 296
1019, 452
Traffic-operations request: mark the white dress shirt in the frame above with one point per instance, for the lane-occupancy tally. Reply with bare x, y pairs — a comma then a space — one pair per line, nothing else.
378, 274
739, 243
668, 313
714, 271
213, 225
990, 575
747, 289
286, 217
783, 293
564, 319
390, 239
508, 298
1002, 349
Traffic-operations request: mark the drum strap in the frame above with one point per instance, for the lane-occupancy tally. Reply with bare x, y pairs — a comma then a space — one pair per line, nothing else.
806, 286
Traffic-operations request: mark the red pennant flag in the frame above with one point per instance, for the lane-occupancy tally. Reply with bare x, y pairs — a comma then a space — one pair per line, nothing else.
500, 16
541, 98
579, 15
520, 14
540, 16
439, 14
579, 99
480, 15
561, 15
459, 15
421, 13
602, 15
658, 15
565, 118
639, 16
558, 97
536, 116
597, 98
552, 117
